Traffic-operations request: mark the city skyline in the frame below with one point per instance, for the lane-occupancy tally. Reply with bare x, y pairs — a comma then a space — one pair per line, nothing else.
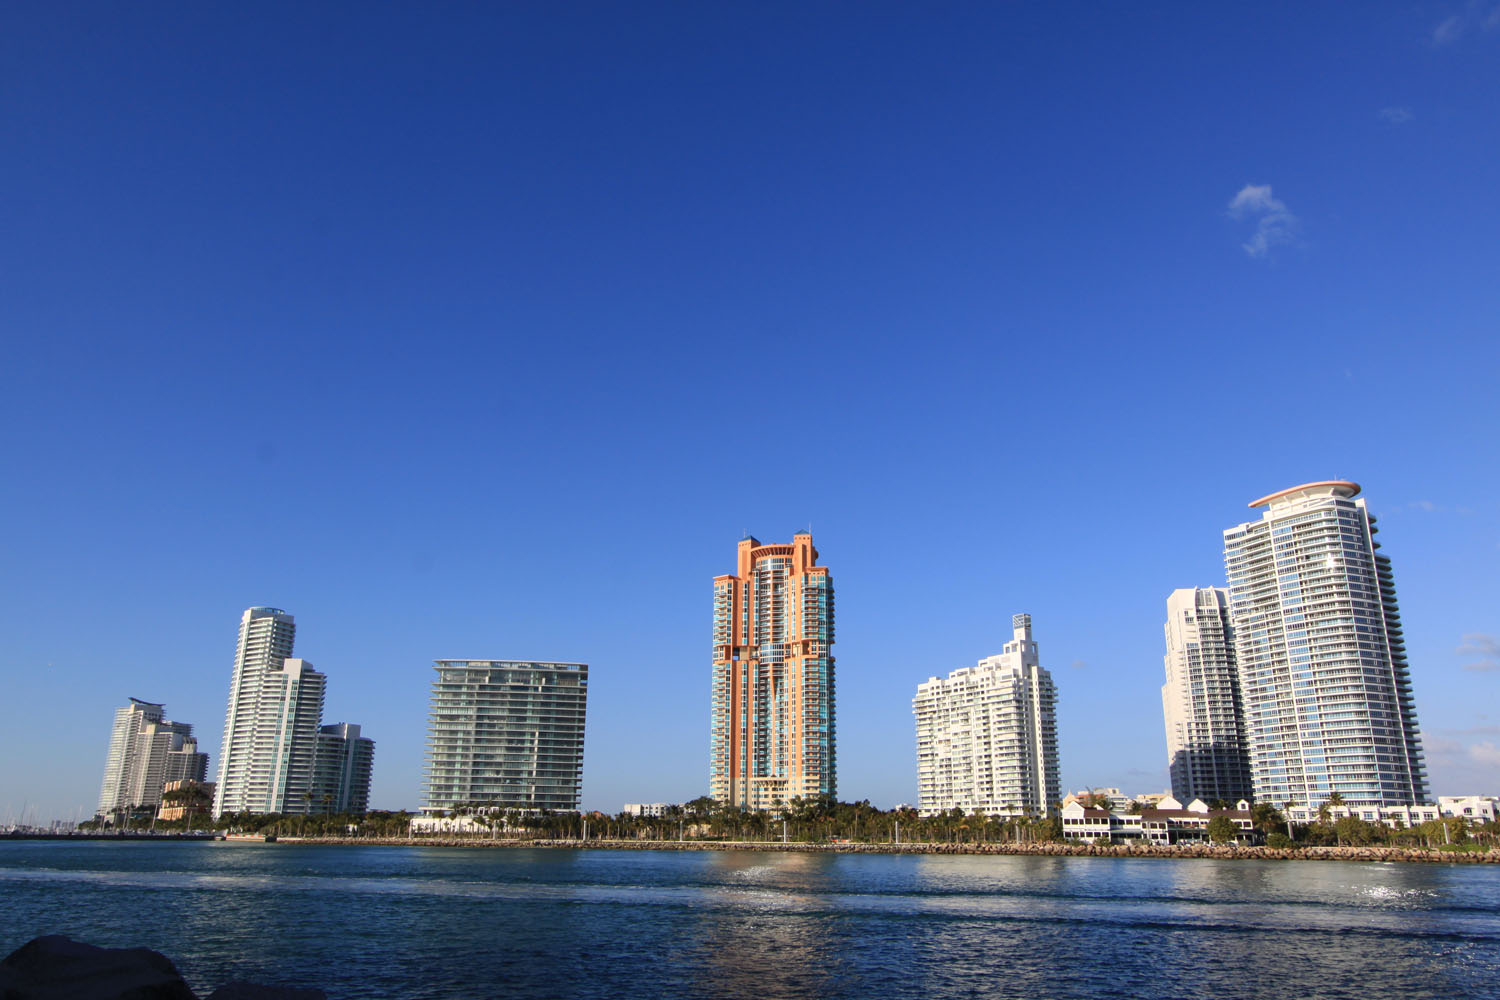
490, 334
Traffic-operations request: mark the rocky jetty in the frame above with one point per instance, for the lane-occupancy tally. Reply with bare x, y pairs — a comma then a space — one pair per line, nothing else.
59, 968
1046, 849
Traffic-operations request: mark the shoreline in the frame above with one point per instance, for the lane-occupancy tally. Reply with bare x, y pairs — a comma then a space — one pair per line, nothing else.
1219, 852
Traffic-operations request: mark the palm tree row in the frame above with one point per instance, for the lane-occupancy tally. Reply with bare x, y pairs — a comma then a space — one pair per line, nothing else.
809, 820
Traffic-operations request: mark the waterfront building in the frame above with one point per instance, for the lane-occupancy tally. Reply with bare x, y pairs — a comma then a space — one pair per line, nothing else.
265, 643
342, 768
1169, 822
650, 810
1206, 752
268, 758
772, 733
281, 760
1398, 817
1324, 682
1474, 808
987, 735
175, 808
146, 751
505, 733
167, 753
114, 794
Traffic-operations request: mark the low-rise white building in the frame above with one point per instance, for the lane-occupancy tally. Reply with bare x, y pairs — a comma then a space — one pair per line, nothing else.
1396, 817
650, 810
1170, 823
1474, 808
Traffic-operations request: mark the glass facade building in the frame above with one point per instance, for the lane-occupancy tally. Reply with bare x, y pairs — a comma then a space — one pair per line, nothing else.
506, 734
772, 733
342, 768
1324, 681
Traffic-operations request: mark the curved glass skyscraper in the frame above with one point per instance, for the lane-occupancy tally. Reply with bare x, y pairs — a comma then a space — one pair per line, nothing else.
1323, 675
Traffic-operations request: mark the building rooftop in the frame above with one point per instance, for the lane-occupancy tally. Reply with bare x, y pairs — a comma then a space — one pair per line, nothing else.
1326, 487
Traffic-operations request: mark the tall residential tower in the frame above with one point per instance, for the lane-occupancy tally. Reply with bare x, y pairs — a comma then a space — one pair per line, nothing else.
987, 735
1200, 701
145, 752
342, 768
267, 762
1323, 676
772, 732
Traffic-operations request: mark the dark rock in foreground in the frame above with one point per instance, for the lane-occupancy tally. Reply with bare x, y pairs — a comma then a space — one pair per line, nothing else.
58, 968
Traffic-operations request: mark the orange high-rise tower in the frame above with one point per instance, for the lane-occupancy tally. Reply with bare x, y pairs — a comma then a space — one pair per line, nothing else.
773, 733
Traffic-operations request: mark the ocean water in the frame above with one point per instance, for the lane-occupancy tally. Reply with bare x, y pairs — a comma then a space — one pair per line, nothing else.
417, 922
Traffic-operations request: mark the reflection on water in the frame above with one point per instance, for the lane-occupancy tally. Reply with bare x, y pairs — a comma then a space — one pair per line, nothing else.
423, 922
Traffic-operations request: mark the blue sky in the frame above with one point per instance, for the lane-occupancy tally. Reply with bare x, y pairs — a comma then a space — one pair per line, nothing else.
488, 333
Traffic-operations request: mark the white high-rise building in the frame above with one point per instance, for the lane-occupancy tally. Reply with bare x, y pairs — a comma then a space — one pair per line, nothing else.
145, 752
266, 636
271, 724
166, 752
987, 735
1324, 681
1200, 701
120, 765
284, 755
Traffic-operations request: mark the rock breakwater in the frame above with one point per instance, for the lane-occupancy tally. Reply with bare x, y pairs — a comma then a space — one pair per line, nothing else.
1048, 849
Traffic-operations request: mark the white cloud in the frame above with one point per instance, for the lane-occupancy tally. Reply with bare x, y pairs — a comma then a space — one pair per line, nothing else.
1485, 753
1275, 224
1485, 647
1425, 505
1483, 16
1396, 115
1448, 30
1079, 664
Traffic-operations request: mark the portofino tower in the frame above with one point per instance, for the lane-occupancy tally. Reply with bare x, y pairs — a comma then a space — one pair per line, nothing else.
772, 737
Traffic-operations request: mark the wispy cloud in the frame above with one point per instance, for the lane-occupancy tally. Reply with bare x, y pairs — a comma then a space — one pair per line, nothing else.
1476, 16
1274, 222
1485, 753
1441, 747
1485, 647
1424, 505
1079, 664
1396, 115
1448, 30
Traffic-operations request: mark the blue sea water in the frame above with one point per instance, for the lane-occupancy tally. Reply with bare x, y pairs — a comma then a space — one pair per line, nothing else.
417, 922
